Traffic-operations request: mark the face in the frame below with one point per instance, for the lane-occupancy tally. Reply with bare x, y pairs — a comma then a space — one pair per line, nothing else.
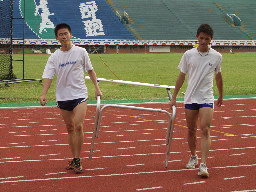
64, 36
204, 40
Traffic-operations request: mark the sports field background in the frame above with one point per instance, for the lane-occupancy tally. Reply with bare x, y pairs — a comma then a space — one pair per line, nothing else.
238, 72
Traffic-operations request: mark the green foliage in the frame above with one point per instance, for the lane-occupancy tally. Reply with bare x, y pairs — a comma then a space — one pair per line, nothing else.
238, 72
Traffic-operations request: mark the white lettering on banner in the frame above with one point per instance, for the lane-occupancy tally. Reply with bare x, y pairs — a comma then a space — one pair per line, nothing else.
44, 13
92, 25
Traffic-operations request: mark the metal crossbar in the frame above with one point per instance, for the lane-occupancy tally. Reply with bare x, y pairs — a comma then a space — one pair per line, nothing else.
167, 87
7, 82
98, 119
133, 83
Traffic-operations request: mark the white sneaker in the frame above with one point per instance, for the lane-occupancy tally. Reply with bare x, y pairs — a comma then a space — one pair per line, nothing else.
203, 171
193, 161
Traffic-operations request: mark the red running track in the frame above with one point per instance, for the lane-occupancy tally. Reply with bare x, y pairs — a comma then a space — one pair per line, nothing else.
129, 153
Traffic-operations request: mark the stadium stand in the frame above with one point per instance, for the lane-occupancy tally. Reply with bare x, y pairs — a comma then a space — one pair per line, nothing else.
88, 19
246, 11
144, 20
171, 19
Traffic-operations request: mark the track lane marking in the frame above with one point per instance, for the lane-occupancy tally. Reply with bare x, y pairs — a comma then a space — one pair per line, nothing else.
151, 188
119, 174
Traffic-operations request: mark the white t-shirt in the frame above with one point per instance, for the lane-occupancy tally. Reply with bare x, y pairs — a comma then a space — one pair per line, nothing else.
200, 69
70, 67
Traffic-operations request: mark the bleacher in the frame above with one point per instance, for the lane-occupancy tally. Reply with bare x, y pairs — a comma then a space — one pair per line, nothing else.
194, 13
88, 19
148, 19
246, 11
172, 19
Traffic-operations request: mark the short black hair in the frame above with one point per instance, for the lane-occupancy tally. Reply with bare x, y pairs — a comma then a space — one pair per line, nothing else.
61, 26
205, 28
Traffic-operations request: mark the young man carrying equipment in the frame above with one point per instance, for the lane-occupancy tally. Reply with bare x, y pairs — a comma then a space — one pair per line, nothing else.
70, 63
200, 64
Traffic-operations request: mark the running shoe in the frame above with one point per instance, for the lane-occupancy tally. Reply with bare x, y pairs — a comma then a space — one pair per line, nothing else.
78, 166
75, 165
193, 161
71, 165
203, 171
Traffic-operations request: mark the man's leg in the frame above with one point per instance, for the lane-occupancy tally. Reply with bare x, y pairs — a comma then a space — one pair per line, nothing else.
79, 116
192, 118
74, 121
206, 115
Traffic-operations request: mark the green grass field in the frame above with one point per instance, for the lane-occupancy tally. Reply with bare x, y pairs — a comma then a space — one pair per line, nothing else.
238, 72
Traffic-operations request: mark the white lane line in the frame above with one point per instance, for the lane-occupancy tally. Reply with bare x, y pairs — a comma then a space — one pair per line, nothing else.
95, 169
125, 148
251, 190
55, 173
49, 141
117, 174
21, 126
194, 183
174, 161
50, 155
119, 122
17, 177
151, 188
249, 125
135, 165
238, 154
234, 178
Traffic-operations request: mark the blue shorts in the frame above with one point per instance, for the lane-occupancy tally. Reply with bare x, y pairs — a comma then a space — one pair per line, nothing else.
195, 106
70, 104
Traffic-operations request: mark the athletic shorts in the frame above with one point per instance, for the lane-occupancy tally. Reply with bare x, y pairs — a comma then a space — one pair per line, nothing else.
70, 104
195, 106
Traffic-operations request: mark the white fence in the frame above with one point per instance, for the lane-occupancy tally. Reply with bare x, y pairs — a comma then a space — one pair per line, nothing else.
129, 42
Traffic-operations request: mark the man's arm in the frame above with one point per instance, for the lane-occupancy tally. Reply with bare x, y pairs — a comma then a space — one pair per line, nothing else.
46, 86
178, 85
219, 83
93, 77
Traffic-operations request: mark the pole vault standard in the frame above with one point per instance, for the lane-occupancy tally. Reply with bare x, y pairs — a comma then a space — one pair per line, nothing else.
99, 112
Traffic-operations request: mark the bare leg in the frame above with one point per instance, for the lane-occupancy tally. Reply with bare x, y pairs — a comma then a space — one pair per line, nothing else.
206, 115
74, 121
192, 118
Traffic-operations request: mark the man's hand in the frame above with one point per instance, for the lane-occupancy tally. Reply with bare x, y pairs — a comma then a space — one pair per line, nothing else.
172, 102
43, 100
98, 93
219, 101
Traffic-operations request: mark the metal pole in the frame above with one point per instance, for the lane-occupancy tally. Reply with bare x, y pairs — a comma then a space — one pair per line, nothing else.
24, 41
11, 34
169, 93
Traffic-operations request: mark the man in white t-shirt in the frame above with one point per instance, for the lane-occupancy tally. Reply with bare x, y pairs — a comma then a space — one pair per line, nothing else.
70, 63
200, 64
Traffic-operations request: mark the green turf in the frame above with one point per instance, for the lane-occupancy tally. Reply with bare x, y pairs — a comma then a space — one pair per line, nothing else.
238, 74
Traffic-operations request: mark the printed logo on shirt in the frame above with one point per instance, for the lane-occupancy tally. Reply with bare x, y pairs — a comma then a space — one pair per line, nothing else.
67, 63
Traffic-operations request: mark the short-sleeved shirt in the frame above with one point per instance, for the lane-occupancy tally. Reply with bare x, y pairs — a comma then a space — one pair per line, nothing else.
200, 69
70, 67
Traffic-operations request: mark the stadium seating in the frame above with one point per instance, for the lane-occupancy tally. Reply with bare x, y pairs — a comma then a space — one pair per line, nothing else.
178, 20
149, 19
88, 19
246, 11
